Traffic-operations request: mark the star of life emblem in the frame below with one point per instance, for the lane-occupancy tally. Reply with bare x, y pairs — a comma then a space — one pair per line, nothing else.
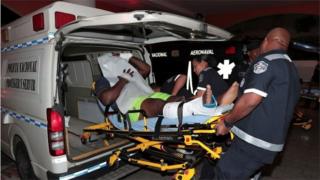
226, 68
260, 67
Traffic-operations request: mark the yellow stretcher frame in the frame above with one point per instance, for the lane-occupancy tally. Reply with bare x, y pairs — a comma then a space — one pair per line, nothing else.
183, 171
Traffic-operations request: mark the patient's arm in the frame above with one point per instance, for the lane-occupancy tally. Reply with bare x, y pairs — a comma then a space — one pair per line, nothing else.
179, 84
110, 95
142, 67
230, 95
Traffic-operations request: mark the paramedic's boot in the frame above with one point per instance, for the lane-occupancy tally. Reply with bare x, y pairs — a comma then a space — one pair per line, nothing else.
229, 96
302, 121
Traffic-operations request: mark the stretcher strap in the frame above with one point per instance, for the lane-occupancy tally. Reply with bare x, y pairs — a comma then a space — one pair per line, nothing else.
180, 115
128, 121
158, 127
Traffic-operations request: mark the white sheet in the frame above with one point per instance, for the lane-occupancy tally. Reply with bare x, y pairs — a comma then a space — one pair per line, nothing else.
112, 67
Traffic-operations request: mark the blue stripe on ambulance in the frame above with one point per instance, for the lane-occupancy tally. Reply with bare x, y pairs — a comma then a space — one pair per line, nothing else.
23, 118
35, 42
90, 169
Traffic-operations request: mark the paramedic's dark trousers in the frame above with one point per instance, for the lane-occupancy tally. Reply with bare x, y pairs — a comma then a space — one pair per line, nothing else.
233, 165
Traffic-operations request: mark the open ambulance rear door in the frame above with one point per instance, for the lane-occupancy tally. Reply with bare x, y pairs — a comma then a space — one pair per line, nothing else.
143, 27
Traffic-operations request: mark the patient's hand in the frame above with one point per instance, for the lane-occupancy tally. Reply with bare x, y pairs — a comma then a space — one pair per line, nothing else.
127, 75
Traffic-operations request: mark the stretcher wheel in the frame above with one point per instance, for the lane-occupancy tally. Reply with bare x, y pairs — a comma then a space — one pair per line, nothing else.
109, 136
188, 174
85, 138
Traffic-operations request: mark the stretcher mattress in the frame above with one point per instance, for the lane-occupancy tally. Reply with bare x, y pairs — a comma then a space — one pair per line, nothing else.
151, 122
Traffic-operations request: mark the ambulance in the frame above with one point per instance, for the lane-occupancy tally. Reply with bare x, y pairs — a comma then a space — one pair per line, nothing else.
48, 63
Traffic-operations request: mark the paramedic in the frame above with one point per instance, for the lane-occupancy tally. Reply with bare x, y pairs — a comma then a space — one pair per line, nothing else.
262, 115
208, 76
203, 68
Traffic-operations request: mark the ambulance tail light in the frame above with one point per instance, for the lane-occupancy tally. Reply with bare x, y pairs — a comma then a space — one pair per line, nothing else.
230, 50
38, 22
62, 18
55, 132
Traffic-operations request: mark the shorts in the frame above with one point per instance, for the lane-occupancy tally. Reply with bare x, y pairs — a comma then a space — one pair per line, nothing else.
138, 101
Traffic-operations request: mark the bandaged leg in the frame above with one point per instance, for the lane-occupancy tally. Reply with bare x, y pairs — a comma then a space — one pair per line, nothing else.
196, 106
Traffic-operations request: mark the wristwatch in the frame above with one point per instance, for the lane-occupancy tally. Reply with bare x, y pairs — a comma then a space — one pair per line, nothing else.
227, 124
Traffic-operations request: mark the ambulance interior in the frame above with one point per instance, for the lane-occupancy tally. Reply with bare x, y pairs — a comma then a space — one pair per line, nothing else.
80, 68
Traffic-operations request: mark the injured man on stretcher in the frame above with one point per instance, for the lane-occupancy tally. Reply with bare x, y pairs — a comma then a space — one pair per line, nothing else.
123, 88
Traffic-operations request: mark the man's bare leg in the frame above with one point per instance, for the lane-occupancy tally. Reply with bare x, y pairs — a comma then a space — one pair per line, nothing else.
152, 107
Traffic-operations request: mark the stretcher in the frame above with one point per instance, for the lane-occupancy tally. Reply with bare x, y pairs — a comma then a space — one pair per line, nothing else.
167, 145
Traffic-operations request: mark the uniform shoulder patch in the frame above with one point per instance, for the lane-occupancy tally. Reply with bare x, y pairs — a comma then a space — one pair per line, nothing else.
260, 67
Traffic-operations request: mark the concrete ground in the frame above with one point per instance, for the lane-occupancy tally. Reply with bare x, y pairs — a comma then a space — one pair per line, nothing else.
299, 161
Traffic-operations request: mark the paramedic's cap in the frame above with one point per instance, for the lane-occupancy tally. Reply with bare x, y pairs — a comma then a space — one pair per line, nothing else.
210, 59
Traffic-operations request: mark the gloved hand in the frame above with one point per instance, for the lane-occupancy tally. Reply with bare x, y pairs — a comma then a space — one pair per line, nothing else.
127, 75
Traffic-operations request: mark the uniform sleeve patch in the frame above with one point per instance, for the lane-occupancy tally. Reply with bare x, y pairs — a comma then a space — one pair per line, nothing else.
201, 88
260, 67
256, 91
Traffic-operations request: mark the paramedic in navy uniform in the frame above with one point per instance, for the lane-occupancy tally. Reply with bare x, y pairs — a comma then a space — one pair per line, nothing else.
261, 116
208, 76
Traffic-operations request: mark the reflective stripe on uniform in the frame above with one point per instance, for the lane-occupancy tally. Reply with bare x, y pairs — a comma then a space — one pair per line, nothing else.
201, 88
277, 56
256, 91
256, 141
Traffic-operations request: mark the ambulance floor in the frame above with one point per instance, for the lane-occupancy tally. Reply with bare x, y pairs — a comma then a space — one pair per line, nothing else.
299, 161
76, 147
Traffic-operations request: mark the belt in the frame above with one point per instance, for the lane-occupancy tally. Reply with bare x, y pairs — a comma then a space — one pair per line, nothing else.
256, 141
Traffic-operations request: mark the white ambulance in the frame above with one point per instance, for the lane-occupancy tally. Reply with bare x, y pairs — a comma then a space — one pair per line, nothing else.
48, 63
